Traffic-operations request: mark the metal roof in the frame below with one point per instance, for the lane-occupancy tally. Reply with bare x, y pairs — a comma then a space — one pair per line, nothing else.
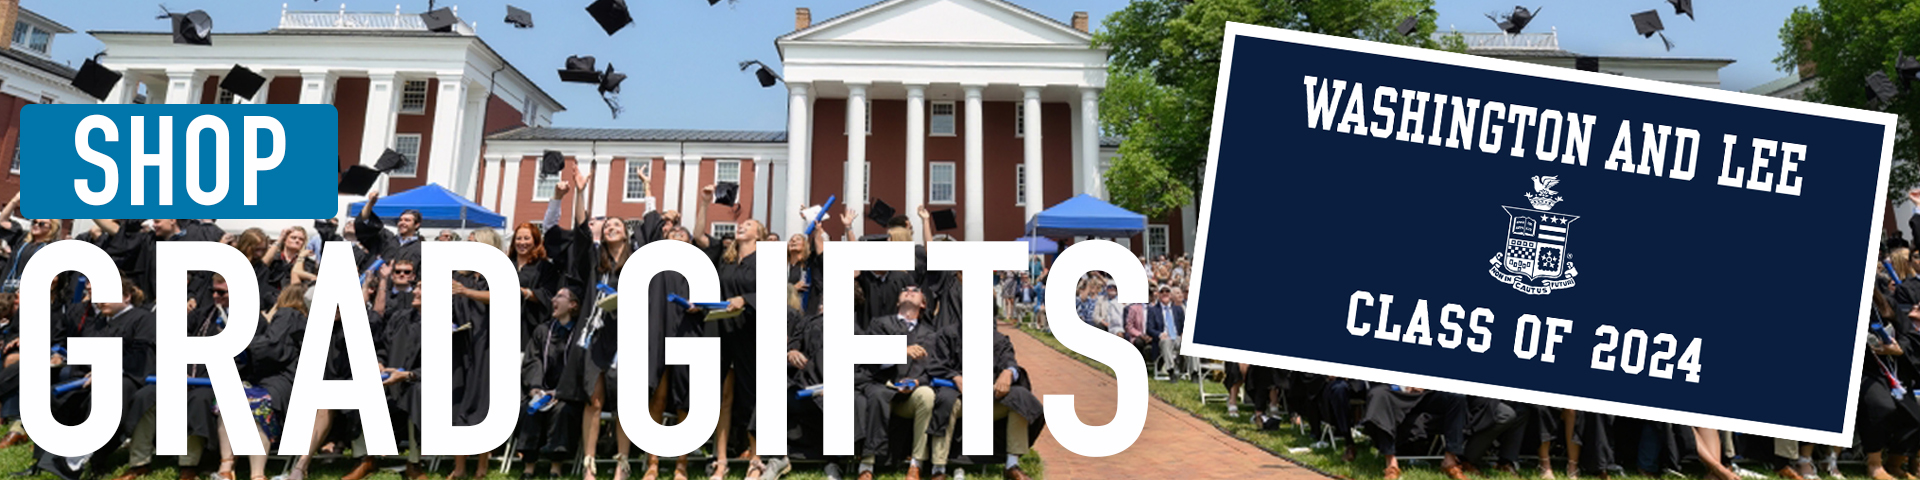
51, 67
641, 135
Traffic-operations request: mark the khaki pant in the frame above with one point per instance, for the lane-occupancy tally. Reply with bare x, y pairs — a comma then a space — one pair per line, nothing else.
919, 407
1016, 431
141, 447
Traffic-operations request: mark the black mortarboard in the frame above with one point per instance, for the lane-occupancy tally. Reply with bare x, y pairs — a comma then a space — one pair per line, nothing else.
1587, 64
880, 212
1882, 87
766, 75
1517, 21
192, 28
519, 18
358, 179
612, 14
610, 81
943, 220
713, 2
441, 20
551, 162
580, 70
875, 237
1908, 67
1409, 25
243, 82
1648, 24
1682, 7
390, 160
95, 79
726, 193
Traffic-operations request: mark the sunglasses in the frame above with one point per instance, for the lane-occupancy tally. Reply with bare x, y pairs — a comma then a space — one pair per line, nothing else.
220, 292
403, 272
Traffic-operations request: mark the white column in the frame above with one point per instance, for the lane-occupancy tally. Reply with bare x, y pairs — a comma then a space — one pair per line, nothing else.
472, 125
183, 86
976, 169
316, 87
510, 189
602, 171
1079, 174
1090, 143
490, 198
798, 118
779, 212
123, 90
916, 154
1035, 200
761, 168
670, 192
857, 152
382, 97
449, 107
690, 187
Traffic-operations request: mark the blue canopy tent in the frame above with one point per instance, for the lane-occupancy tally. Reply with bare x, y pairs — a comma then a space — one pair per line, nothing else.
1040, 245
1086, 216
439, 208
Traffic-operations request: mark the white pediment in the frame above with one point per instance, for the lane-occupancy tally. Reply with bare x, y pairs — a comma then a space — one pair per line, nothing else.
944, 21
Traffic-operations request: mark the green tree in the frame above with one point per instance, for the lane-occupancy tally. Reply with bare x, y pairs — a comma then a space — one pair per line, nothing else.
1844, 41
1164, 64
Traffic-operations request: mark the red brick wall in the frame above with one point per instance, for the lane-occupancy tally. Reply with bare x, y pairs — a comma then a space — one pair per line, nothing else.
284, 90
526, 209
502, 116
741, 210
210, 90
417, 123
350, 100
9, 143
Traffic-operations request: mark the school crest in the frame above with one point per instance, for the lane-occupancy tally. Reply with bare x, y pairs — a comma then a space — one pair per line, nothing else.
1535, 260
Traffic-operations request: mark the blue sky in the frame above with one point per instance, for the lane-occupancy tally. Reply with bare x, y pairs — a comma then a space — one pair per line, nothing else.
681, 55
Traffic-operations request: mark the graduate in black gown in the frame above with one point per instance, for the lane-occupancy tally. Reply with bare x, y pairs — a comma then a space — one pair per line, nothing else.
373, 235
288, 262
1392, 411
203, 320
133, 323
903, 389
737, 285
669, 320
546, 429
398, 347
472, 327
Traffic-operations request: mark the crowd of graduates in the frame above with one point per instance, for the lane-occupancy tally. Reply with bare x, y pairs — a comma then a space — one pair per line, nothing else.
568, 267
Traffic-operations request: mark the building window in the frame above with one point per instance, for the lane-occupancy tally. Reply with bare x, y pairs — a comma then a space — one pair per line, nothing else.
543, 187
866, 179
413, 97
1156, 241
16, 161
638, 170
407, 144
225, 97
1019, 121
1020, 185
941, 124
721, 229
726, 171
940, 191
31, 38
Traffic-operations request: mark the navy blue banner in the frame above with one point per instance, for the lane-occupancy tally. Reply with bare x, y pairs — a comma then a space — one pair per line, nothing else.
195, 161
1539, 234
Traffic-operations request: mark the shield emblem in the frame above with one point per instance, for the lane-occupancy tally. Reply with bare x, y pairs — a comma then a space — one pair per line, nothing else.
1537, 242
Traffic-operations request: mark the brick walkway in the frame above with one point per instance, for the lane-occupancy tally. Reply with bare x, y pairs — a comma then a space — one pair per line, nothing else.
1174, 444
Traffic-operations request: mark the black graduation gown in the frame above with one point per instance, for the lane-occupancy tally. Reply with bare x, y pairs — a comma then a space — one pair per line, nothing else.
883, 293
543, 277
810, 270
737, 341
274, 354
667, 319
399, 347
470, 352
278, 275
876, 381
374, 237
135, 328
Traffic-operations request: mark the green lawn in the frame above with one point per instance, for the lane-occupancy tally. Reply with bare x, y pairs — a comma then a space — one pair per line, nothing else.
1368, 465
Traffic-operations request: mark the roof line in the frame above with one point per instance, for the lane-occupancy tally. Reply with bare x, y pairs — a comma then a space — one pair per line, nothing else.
884, 4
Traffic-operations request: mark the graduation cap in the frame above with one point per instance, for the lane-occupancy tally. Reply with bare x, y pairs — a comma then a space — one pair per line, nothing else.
358, 179
1514, 22
1683, 7
766, 75
1587, 64
610, 88
1648, 24
519, 18
95, 79
880, 213
191, 28
441, 20
943, 220
713, 2
612, 14
726, 193
1882, 87
1909, 69
242, 81
390, 160
875, 237
551, 162
1408, 25
580, 70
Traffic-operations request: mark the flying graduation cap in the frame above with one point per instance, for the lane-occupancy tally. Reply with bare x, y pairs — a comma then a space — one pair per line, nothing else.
551, 162
610, 88
519, 18
191, 28
1683, 7
358, 179
1882, 87
943, 220
1515, 22
611, 14
1908, 67
580, 70
1408, 25
1648, 24
880, 213
95, 79
441, 20
726, 193
243, 82
766, 75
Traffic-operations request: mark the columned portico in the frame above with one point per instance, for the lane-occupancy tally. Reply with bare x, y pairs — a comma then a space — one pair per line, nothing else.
975, 168
316, 86
448, 113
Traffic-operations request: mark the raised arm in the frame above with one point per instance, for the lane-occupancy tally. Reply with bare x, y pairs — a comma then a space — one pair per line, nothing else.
6, 215
700, 216
926, 225
107, 226
579, 209
555, 204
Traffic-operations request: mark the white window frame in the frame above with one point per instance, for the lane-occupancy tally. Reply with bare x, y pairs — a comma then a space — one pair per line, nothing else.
952, 183
225, 97
713, 229
23, 33
952, 123
16, 161
717, 171
1166, 240
1020, 185
1020, 121
640, 167
543, 186
413, 158
408, 90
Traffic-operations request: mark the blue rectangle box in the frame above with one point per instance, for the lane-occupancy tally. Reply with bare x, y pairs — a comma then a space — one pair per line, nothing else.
76, 161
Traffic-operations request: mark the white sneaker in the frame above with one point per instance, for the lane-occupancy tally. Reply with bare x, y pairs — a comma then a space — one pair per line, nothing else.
1233, 411
1320, 445
833, 471
1745, 473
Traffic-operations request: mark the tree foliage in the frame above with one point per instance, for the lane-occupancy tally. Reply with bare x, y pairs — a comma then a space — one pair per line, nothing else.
1164, 64
1844, 41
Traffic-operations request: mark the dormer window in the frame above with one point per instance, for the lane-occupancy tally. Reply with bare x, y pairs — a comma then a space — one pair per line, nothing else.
31, 38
